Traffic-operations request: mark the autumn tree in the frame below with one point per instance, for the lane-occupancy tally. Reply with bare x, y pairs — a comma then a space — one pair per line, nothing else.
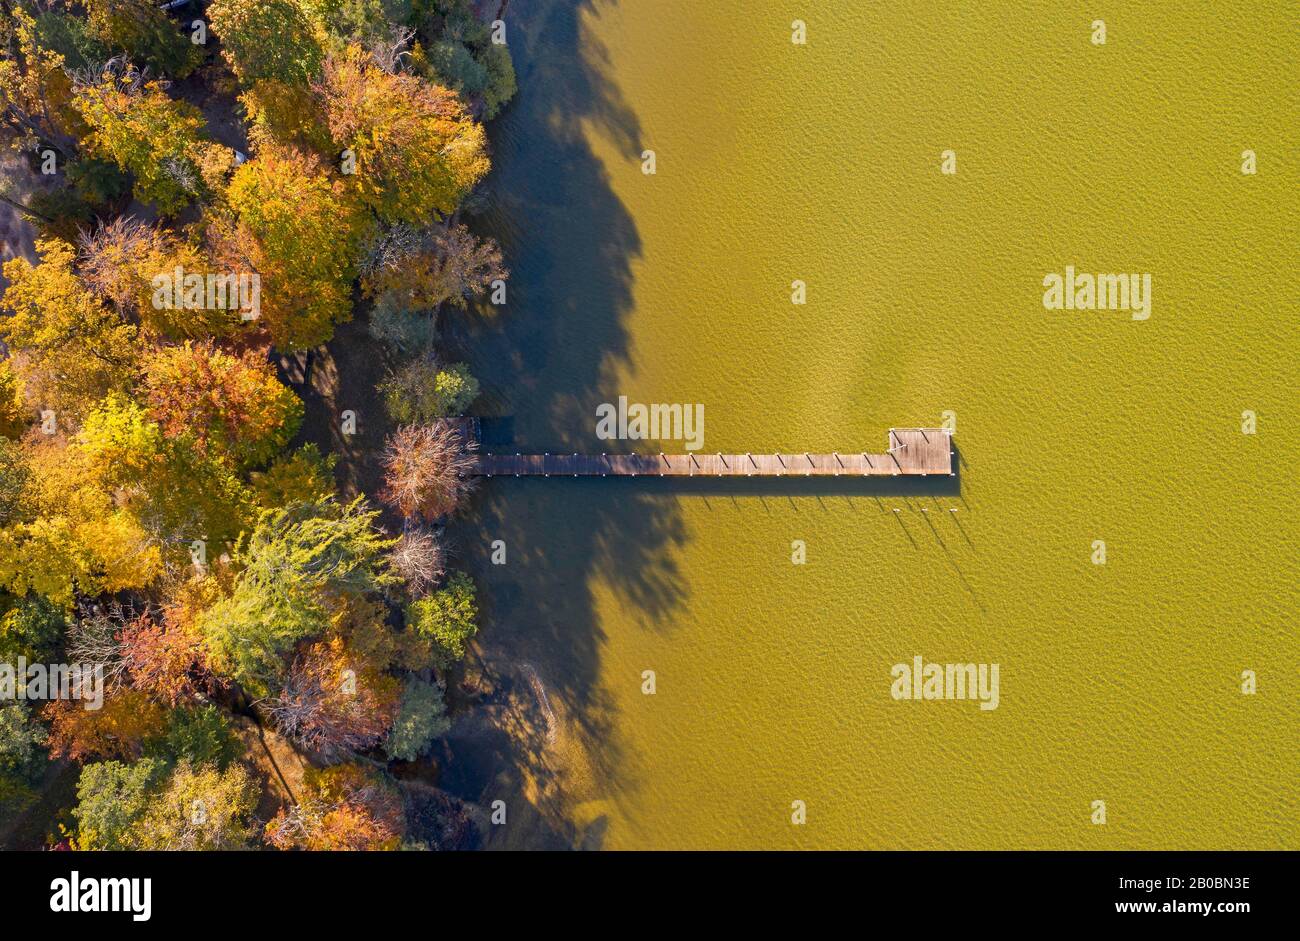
157, 652
13, 403
69, 347
448, 618
275, 51
113, 259
411, 270
422, 391
332, 704
201, 808
419, 559
148, 805
177, 491
117, 730
116, 505
152, 136
72, 536
301, 476
300, 229
282, 113
95, 636
232, 407
112, 797
165, 659
35, 91
416, 150
14, 477
132, 265
421, 718
266, 40
423, 267
145, 33
296, 562
345, 807
367, 21
427, 470
360, 623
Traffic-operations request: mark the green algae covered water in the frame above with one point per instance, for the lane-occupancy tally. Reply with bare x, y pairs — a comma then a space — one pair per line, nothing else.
1120, 682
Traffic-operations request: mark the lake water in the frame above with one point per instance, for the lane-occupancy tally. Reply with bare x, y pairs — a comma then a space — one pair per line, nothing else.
775, 162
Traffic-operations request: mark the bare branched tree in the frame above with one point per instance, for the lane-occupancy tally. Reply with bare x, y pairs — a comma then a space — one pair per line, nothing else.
95, 638
467, 264
119, 69
419, 559
390, 246
389, 51
427, 470
326, 708
106, 254
431, 265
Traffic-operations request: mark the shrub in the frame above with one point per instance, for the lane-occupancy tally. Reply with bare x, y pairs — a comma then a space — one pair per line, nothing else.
201, 735
402, 329
111, 799
421, 718
421, 392
31, 627
448, 618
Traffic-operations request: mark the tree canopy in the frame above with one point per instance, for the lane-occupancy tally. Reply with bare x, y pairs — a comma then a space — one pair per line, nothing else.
169, 508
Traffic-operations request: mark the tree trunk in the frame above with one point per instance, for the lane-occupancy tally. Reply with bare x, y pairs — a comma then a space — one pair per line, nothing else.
25, 210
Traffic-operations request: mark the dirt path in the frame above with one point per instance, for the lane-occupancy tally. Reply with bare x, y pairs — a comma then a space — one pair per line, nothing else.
17, 234
337, 379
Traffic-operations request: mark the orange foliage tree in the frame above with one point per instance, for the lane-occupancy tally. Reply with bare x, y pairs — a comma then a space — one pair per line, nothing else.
232, 407
118, 730
343, 808
166, 660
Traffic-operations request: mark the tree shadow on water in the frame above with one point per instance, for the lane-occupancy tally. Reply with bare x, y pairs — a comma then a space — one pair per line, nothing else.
535, 721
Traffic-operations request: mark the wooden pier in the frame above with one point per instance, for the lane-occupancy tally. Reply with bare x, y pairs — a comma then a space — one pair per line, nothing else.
912, 451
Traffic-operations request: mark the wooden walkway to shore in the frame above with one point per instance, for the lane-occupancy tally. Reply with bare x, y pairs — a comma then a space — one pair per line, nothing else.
912, 451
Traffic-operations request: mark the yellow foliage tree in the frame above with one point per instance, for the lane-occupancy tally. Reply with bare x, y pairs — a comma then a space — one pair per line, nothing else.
415, 148
13, 408
35, 92
72, 350
300, 229
114, 507
154, 137
202, 808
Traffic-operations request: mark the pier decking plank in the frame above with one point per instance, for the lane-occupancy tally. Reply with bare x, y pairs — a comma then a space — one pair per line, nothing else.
912, 451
